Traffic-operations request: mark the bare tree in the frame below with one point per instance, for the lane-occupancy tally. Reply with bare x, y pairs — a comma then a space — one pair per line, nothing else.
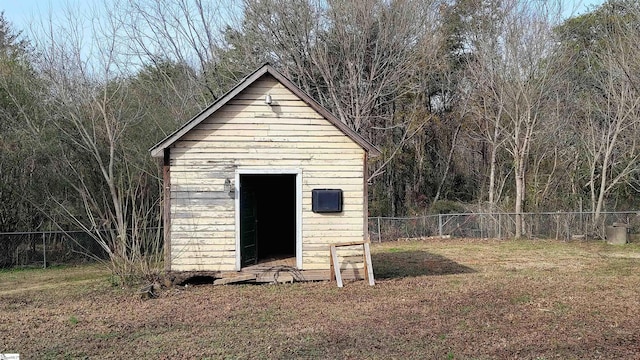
604, 110
358, 59
612, 125
188, 32
514, 81
88, 100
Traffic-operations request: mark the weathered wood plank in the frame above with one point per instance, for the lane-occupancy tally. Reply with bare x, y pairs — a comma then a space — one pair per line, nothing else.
229, 151
200, 195
316, 247
235, 279
213, 257
329, 227
219, 167
340, 160
353, 262
348, 264
275, 92
204, 235
195, 208
191, 169
281, 163
187, 239
328, 218
347, 203
216, 185
166, 209
332, 175
181, 172
201, 252
275, 277
342, 252
186, 266
268, 82
252, 158
260, 101
196, 265
258, 96
334, 233
268, 138
368, 264
202, 228
346, 188
231, 121
327, 240
312, 181
202, 214
264, 137
241, 140
278, 109
348, 243
267, 113
258, 162
335, 266
204, 245
324, 274
346, 208
187, 179
335, 226
204, 221
226, 125
212, 202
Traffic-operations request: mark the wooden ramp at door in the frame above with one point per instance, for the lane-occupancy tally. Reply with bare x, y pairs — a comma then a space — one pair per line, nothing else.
335, 265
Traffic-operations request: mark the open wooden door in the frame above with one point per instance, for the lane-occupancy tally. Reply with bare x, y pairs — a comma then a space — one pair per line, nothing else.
248, 225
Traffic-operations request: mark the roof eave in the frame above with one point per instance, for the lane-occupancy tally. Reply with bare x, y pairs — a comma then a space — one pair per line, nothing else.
367, 146
158, 149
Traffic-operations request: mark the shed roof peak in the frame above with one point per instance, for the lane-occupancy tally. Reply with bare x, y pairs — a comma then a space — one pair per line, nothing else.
158, 149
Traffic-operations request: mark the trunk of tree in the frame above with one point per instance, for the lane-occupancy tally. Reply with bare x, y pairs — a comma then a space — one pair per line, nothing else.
520, 191
492, 175
448, 165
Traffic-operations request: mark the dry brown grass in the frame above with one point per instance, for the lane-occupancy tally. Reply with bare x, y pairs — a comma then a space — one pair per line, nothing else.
456, 299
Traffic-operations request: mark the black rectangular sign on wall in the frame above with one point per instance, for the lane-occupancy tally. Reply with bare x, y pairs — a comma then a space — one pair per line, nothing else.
326, 200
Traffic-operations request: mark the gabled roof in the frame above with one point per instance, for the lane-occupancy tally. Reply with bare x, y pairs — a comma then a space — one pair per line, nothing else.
158, 149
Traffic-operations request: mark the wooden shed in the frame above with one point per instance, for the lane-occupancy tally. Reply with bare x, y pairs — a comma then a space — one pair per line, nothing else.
264, 176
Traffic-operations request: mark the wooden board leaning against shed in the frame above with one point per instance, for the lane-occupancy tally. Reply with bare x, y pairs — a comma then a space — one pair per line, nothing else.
238, 184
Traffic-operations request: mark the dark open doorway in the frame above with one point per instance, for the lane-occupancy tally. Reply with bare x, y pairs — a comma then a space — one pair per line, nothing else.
267, 217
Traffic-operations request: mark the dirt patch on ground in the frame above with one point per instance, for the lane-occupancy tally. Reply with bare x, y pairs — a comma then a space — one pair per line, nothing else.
456, 299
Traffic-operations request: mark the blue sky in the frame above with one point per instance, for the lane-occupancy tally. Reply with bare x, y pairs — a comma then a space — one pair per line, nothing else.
21, 13
33, 14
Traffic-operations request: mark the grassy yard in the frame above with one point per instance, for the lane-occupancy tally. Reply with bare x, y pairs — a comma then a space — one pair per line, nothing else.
449, 299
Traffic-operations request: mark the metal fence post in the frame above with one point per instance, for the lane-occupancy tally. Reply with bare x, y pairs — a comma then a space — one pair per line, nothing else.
44, 252
379, 236
440, 225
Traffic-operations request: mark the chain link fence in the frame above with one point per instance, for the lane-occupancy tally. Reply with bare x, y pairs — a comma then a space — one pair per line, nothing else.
26, 249
550, 225
20, 249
